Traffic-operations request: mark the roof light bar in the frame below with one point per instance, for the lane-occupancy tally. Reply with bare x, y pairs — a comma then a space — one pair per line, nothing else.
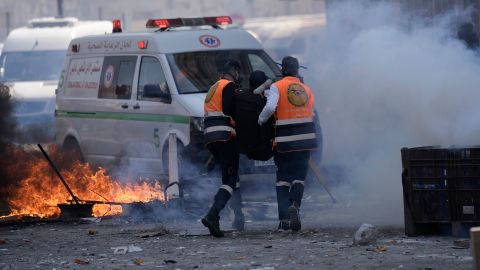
142, 44
117, 26
177, 22
75, 48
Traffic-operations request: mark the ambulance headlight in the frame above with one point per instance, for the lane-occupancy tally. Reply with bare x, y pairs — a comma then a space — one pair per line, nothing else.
197, 123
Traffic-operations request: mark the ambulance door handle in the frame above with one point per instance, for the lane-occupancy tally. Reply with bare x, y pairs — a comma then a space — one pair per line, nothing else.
124, 106
136, 106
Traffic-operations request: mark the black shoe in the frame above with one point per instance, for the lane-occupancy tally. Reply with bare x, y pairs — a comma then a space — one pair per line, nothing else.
213, 226
294, 215
284, 225
238, 222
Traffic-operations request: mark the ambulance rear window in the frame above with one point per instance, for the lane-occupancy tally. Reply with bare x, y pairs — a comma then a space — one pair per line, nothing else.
195, 72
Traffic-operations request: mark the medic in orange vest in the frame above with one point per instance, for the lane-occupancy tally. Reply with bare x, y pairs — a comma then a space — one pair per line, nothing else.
219, 126
293, 104
220, 140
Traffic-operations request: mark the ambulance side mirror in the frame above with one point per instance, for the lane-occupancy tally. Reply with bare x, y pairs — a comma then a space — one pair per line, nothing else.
157, 92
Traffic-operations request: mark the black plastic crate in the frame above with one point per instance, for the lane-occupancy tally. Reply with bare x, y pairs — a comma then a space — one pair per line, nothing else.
426, 162
428, 201
441, 188
426, 188
465, 168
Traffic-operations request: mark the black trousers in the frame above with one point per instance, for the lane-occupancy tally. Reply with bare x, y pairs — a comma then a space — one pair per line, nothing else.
226, 153
291, 172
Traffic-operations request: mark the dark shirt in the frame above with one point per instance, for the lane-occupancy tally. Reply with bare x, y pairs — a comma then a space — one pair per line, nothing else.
228, 98
253, 140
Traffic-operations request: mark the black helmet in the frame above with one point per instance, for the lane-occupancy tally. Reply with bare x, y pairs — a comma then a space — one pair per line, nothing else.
257, 78
290, 66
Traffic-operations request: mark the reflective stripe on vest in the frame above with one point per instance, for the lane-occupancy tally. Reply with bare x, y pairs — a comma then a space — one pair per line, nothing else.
217, 124
294, 128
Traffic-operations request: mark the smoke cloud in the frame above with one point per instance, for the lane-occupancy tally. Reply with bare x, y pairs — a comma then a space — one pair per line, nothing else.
386, 80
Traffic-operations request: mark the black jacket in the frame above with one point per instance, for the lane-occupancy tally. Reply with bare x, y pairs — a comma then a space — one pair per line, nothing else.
253, 140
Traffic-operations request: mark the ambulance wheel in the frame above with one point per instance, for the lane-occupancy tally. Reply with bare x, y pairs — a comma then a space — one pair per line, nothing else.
71, 145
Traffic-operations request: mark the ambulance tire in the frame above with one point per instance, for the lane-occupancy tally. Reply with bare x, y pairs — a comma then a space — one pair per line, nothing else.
73, 147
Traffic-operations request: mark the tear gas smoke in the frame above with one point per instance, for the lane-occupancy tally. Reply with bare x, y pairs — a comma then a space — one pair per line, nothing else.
382, 84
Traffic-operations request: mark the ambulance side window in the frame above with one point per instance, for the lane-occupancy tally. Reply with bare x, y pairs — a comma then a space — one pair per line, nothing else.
116, 79
259, 64
152, 85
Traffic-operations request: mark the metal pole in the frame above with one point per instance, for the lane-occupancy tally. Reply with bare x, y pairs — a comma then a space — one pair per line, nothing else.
60, 8
58, 174
320, 178
7, 19
172, 190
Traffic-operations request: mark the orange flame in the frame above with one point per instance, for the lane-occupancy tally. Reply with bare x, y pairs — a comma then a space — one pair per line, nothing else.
40, 191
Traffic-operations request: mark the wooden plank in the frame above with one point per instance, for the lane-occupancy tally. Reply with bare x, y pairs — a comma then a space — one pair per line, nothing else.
475, 246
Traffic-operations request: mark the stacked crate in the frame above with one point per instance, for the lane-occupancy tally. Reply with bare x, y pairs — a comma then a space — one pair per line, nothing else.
426, 188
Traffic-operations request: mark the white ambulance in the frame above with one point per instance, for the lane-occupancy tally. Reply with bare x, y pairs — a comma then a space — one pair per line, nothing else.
30, 65
123, 95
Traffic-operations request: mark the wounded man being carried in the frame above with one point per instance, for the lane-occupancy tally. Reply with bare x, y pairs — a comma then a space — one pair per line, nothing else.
254, 141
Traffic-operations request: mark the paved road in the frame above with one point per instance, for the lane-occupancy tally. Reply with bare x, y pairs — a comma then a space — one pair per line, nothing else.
186, 245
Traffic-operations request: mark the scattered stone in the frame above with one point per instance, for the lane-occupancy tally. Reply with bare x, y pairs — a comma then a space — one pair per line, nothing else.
269, 246
138, 261
461, 243
380, 249
156, 233
124, 249
81, 261
169, 261
133, 248
365, 235
89, 220
120, 250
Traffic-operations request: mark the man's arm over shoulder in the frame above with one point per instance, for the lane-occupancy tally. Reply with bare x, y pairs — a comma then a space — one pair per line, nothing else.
270, 106
228, 99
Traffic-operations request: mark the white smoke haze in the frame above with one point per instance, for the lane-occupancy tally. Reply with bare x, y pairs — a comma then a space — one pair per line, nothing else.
382, 82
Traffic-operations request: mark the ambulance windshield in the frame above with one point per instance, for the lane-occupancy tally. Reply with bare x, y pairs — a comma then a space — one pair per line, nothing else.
195, 72
31, 65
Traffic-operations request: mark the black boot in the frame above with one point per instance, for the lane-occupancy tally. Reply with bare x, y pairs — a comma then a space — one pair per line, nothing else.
236, 205
213, 225
284, 225
211, 220
294, 216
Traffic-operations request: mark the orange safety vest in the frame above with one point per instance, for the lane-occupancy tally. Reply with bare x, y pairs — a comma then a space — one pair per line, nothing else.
294, 126
218, 126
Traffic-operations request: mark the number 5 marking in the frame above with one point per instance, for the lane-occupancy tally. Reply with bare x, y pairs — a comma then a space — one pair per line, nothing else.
156, 138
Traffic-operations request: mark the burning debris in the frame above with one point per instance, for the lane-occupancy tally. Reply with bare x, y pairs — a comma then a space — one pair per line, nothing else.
39, 191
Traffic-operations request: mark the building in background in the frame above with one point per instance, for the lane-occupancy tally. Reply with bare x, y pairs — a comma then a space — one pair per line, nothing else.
429, 10
15, 13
